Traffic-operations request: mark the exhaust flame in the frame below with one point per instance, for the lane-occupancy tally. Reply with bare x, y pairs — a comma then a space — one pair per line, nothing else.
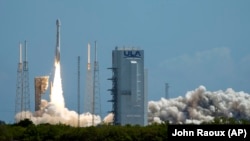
56, 96
55, 112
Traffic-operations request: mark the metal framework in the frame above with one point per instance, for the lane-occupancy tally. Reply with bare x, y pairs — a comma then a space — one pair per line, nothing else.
113, 91
96, 87
88, 96
166, 90
78, 89
22, 102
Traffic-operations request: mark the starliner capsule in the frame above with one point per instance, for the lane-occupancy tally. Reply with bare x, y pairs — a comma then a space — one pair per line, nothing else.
57, 57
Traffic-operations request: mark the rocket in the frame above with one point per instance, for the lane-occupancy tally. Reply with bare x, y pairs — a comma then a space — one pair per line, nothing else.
57, 57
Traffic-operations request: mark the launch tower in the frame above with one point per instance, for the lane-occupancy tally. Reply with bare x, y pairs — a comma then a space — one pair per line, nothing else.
22, 102
88, 96
96, 86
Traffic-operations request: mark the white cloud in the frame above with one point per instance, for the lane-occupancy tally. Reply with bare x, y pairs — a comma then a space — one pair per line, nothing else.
215, 57
215, 61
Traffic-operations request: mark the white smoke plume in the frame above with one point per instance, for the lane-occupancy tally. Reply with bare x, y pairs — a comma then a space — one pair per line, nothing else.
197, 106
200, 105
56, 96
109, 118
54, 115
55, 112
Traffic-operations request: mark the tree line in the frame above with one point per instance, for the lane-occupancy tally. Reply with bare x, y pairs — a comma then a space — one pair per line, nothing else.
26, 131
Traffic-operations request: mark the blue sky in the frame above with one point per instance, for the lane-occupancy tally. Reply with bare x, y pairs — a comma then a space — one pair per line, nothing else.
187, 43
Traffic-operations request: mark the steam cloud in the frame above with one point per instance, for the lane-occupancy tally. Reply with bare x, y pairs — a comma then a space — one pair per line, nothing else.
200, 105
52, 114
197, 106
55, 112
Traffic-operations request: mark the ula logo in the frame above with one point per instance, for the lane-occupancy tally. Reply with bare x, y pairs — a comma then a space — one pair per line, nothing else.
131, 54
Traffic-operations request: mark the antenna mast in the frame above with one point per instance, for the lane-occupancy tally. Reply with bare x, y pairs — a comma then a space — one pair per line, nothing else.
26, 90
96, 86
78, 90
166, 90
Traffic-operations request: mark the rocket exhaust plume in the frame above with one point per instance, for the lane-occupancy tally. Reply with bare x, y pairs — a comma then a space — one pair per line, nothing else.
56, 96
55, 112
195, 107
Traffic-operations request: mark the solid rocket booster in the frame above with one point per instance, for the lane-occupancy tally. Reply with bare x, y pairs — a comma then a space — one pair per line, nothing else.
57, 40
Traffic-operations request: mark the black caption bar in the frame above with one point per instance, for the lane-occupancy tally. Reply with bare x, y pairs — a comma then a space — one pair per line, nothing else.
224, 132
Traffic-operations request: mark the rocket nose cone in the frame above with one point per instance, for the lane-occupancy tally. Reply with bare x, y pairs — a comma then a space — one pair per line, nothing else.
58, 22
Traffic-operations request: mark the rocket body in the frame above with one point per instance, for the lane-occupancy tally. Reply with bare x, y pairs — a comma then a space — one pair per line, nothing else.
57, 55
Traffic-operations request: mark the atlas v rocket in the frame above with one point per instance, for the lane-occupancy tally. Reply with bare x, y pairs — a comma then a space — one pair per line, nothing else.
57, 57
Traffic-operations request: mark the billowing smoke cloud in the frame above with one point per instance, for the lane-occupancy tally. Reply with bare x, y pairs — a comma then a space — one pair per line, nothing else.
200, 105
50, 113
55, 112
197, 106
109, 118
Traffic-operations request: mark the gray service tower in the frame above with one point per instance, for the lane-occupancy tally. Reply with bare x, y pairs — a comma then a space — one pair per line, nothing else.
129, 92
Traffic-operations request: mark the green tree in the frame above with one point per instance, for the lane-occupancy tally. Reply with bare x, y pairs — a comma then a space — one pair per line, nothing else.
31, 134
5, 133
24, 123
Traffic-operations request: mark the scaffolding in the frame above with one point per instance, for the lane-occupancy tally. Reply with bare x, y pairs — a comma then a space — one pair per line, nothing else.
22, 102
88, 96
113, 91
96, 87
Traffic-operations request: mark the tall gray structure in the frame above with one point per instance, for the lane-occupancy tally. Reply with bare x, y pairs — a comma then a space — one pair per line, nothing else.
88, 96
22, 89
129, 87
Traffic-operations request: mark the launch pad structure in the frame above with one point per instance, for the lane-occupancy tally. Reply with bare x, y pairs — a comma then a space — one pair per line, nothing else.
129, 87
22, 102
96, 88
92, 102
41, 85
88, 96
92, 98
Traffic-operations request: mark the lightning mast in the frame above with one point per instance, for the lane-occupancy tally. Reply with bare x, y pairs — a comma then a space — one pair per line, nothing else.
166, 90
78, 89
26, 89
96, 88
